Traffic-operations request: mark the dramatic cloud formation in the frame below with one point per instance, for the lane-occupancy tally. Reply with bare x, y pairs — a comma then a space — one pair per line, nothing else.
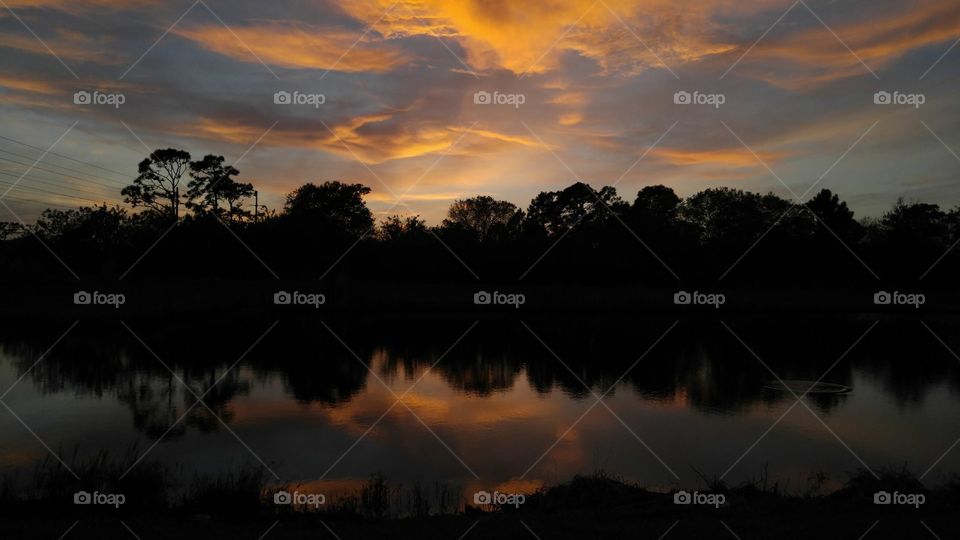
874, 43
449, 98
295, 45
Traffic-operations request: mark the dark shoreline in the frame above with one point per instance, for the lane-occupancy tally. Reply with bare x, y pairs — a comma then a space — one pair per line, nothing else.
256, 298
586, 507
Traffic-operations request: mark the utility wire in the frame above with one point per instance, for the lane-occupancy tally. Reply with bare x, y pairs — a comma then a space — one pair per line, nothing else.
43, 180
47, 163
38, 191
125, 175
31, 189
34, 201
38, 167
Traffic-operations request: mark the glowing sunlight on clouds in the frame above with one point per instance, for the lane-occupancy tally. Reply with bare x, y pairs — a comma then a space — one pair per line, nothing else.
400, 79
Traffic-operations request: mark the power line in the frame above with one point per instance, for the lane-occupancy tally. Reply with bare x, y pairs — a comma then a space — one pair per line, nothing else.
35, 201
63, 156
30, 177
41, 190
38, 167
47, 163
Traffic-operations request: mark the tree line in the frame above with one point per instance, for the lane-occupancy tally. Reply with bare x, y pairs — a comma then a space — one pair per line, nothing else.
575, 233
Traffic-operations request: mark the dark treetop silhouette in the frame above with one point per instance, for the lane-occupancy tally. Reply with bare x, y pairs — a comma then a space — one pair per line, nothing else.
719, 236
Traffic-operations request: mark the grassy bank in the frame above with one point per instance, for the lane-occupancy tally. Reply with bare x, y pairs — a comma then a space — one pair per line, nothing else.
164, 503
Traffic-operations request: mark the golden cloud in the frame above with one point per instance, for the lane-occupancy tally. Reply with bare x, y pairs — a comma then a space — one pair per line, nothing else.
813, 56
632, 35
570, 119
621, 36
298, 45
568, 98
75, 6
727, 157
69, 45
431, 197
374, 138
26, 85
530, 37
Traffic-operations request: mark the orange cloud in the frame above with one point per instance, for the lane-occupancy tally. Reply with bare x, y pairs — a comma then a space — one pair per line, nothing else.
532, 36
75, 6
439, 196
629, 37
42, 93
634, 35
570, 119
503, 137
68, 45
298, 45
373, 138
878, 41
25, 85
729, 157
568, 98
406, 140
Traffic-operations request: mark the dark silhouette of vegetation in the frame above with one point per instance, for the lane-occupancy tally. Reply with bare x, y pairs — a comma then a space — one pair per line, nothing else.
484, 218
553, 213
158, 185
332, 205
231, 505
720, 236
212, 184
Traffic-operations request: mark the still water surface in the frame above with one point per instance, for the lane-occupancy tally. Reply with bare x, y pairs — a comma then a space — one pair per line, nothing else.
498, 410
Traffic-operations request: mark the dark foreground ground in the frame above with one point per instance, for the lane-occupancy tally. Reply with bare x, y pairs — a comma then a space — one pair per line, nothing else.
585, 508
633, 524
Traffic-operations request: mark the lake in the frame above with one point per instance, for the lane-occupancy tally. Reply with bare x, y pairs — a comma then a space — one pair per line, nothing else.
505, 405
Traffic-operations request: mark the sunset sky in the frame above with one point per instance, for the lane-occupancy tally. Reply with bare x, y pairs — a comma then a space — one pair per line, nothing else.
598, 81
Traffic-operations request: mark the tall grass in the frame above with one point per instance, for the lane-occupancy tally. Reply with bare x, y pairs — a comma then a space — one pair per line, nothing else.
381, 498
152, 487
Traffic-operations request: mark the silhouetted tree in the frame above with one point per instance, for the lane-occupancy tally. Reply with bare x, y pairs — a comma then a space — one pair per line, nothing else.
834, 214
703, 236
266, 212
484, 217
658, 203
10, 230
654, 213
158, 185
397, 229
953, 225
728, 215
916, 221
212, 184
98, 226
332, 204
556, 212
